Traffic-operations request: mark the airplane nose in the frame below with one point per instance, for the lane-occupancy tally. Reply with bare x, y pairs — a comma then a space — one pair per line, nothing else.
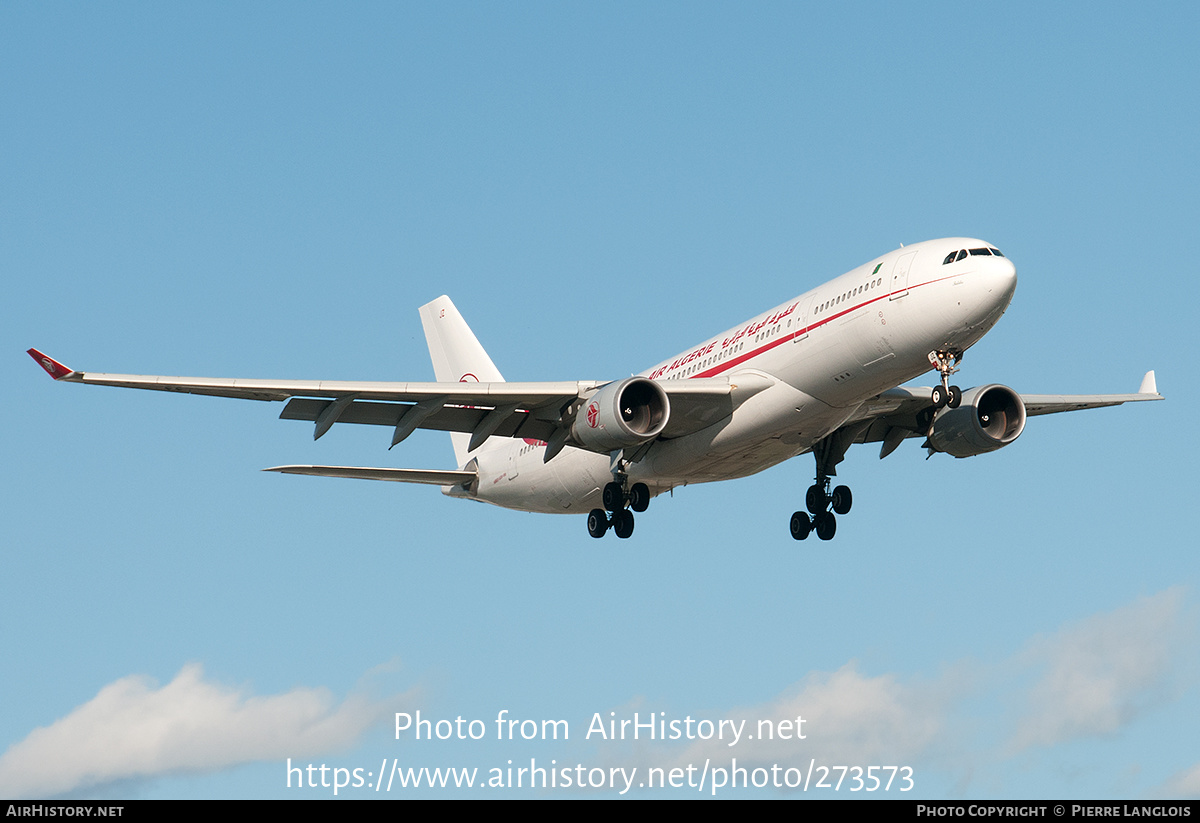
987, 292
998, 283
1006, 277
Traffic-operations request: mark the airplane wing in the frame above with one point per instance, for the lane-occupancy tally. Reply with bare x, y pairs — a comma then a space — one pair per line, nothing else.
905, 412
1052, 403
529, 410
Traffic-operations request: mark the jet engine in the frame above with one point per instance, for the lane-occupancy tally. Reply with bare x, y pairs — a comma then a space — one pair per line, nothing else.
622, 414
988, 417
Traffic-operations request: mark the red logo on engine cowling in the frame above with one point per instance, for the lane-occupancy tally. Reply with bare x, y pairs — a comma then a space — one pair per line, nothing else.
593, 413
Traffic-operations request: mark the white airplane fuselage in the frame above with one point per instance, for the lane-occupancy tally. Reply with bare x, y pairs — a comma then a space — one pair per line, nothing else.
825, 353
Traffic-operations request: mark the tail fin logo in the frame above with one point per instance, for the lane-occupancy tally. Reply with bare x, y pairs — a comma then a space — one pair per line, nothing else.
53, 367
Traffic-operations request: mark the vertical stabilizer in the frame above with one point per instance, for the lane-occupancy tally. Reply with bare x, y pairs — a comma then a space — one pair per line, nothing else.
457, 356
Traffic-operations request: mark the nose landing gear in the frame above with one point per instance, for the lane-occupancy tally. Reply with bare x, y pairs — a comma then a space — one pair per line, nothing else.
946, 362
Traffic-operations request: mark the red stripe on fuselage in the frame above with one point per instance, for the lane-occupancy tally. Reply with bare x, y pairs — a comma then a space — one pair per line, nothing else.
712, 371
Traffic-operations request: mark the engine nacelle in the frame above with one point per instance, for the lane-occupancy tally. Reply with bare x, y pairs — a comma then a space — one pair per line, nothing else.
622, 414
988, 418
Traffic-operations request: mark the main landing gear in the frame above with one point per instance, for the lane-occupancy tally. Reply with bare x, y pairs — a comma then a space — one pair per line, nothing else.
615, 498
946, 362
823, 504
819, 500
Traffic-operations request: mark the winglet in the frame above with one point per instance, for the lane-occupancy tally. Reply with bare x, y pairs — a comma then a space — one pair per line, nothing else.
53, 368
1148, 386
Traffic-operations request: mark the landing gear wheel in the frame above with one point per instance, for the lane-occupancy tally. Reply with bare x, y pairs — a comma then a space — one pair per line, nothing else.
597, 522
955, 397
816, 500
842, 499
613, 497
800, 525
938, 396
639, 497
623, 523
826, 525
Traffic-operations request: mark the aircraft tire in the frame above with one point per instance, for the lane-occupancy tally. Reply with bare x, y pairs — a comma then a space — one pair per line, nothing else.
815, 500
826, 525
639, 497
613, 497
597, 522
842, 500
938, 396
623, 523
801, 525
955, 397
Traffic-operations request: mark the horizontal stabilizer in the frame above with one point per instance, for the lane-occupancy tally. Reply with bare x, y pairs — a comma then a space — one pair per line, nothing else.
432, 477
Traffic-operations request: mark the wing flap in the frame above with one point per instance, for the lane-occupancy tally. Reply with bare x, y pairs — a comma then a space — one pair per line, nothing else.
521, 423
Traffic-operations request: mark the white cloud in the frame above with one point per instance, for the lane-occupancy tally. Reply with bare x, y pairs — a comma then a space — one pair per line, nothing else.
1184, 784
132, 729
1087, 679
1102, 672
849, 718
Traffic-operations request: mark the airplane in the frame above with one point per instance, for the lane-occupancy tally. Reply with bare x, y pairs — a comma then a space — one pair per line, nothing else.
817, 373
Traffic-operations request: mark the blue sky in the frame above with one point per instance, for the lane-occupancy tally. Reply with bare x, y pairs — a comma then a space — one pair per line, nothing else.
268, 191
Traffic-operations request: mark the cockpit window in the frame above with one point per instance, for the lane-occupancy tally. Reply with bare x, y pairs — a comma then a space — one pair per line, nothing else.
961, 254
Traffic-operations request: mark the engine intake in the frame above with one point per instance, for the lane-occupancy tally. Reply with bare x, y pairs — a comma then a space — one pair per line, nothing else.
622, 414
988, 418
